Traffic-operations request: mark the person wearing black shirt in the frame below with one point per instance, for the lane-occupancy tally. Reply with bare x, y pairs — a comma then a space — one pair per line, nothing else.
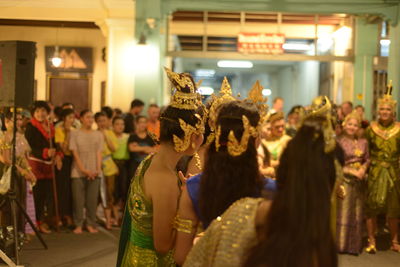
140, 144
137, 106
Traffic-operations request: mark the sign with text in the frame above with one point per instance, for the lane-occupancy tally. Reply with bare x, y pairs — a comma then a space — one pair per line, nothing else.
261, 43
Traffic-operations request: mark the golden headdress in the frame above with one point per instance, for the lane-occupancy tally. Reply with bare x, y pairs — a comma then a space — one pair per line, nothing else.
225, 96
186, 97
256, 96
353, 115
235, 147
387, 99
321, 106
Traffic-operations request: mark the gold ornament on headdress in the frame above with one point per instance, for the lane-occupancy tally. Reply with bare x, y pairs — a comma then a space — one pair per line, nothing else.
387, 98
225, 96
236, 148
353, 115
255, 95
321, 106
181, 99
182, 144
185, 97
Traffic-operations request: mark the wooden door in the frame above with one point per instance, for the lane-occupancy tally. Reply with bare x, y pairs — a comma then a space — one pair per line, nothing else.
72, 90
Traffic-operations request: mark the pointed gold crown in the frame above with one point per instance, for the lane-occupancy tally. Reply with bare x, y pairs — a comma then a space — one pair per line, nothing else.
255, 95
387, 98
353, 115
237, 147
322, 106
185, 95
225, 96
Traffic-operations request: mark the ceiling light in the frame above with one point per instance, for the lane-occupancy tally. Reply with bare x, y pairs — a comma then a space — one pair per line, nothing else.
296, 46
385, 42
204, 73
206, 90
266, 92
235, 64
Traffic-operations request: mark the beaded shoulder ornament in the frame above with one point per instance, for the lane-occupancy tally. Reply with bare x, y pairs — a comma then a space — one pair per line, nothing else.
235, 147
184, 96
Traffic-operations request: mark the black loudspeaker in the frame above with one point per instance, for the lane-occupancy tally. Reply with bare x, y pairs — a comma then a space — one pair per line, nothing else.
17, 68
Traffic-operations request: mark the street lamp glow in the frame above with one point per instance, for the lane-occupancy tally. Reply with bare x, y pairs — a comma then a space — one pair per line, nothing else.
235, 64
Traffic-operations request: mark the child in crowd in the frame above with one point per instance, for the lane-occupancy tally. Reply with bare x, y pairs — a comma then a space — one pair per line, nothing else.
110, 170
120, 157
63, 174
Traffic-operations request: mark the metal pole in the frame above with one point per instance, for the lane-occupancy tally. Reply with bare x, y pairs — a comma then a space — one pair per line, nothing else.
53, 172
12, 185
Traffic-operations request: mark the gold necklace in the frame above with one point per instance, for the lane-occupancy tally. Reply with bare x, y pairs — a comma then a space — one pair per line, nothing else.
198, 161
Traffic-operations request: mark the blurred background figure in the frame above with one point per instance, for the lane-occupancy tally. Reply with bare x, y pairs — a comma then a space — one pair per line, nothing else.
137, 106
109, 168
278, 140
63, 174
293, 120
87, 146
40, 136
364, 122
121, 158
153, 122
277, 105
140, 144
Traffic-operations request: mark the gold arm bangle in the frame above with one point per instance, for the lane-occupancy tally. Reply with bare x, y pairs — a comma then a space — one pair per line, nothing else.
183, 225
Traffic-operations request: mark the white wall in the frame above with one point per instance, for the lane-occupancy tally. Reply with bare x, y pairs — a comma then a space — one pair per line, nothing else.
46, 36
297, 84
307, 84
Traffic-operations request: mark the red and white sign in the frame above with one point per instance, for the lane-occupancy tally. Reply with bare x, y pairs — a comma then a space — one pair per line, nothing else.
261, 43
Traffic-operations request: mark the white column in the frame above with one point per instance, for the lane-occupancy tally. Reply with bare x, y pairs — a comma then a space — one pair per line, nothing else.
120, 61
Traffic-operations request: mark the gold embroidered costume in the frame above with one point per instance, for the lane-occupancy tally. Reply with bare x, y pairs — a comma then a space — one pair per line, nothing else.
228, 238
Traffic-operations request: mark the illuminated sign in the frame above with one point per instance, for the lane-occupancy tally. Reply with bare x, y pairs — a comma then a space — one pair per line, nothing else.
261, 43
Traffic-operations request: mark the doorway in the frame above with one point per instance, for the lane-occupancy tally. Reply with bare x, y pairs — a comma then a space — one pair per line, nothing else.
72, 90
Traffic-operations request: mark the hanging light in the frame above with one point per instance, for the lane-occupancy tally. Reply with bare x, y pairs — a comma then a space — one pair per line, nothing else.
56, 60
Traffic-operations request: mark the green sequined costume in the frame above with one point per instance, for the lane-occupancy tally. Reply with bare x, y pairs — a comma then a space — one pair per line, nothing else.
383, 194
136, 248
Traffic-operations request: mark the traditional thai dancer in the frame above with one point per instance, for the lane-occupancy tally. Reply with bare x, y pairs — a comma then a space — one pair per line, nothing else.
350, 208
383, 192
148, 235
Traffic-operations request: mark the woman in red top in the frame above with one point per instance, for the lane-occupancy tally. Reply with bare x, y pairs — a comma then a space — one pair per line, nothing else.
39, 133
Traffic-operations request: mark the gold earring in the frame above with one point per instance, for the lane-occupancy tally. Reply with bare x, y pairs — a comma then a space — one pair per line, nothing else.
193, 145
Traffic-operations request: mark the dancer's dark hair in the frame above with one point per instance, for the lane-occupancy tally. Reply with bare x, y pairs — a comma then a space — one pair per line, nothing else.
225, 178
297, 230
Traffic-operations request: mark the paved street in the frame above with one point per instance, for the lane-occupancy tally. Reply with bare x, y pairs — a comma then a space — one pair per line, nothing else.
99, 250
